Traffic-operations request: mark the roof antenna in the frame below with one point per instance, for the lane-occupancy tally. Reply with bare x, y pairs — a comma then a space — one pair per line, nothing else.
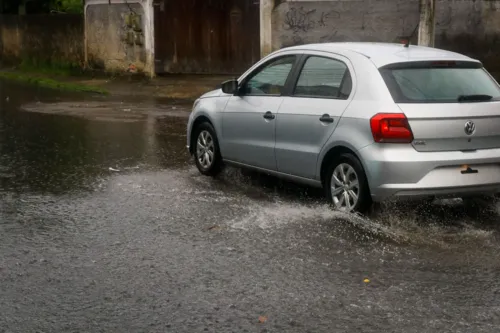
408, 39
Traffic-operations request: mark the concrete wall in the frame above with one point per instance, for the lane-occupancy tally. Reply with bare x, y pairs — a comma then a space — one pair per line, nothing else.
42, 39
113, 41
467, 26
471, 27
300, 22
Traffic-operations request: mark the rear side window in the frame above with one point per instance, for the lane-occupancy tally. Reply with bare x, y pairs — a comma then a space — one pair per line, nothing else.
324, 77
437, 84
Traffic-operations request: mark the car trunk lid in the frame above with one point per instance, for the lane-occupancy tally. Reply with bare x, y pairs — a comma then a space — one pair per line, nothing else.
457, 126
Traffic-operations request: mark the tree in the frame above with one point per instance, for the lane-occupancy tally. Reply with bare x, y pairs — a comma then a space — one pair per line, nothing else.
67, 6
22, 7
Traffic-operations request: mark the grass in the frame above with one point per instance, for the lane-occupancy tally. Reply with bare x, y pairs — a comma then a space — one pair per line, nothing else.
55, 75
50, 68
39, 78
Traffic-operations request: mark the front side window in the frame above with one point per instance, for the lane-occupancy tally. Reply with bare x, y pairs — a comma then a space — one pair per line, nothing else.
440, 85
271, 79
324, 77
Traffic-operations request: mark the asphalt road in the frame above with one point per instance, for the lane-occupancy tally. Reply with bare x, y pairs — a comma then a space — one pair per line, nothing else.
106, 226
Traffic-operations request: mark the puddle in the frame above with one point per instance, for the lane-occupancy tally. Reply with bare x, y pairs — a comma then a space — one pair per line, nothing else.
109, 111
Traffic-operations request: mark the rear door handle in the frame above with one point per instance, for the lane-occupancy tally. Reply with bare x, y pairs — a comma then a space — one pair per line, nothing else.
269, 115
326, 118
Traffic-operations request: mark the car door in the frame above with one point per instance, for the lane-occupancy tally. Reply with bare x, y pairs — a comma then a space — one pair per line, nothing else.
249, 119
308, 117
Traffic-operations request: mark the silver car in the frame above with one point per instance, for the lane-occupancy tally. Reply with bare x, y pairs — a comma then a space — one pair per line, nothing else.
365, 121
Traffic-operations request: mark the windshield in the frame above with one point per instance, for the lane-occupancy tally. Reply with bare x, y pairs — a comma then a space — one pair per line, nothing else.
440, 84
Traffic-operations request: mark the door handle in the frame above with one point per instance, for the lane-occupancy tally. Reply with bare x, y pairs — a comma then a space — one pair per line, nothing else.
269, 115
326, 118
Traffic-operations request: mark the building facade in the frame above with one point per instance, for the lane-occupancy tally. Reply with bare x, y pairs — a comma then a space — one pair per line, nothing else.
227, 36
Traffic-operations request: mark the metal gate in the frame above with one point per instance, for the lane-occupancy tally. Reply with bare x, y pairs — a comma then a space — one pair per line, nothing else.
206, 36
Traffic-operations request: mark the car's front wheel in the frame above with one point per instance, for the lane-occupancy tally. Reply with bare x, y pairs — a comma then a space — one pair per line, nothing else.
206, 151
346, 185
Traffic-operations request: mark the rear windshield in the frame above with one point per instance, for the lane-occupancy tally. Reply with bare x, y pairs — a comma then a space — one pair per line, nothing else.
440, 84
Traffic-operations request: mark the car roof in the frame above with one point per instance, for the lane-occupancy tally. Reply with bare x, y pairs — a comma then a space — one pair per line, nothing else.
382, 54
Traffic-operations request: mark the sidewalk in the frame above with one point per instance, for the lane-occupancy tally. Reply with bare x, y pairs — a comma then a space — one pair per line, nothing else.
176, 86
183, 87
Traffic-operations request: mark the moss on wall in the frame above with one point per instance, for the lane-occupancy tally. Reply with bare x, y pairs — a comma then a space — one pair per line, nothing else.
115, 37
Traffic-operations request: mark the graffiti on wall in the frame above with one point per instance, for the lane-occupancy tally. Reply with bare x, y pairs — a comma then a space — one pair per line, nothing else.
444, 21
466, 26
336, 23
300, 21
332, 22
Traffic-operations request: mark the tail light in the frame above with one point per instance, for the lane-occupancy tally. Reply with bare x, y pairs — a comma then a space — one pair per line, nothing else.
391, 128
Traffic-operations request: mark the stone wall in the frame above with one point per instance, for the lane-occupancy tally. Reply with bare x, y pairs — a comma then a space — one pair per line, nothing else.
115, 36
42, 39
468, 26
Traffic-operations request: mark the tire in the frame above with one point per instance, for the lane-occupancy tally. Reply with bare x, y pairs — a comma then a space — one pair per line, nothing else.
206, 150
353, 170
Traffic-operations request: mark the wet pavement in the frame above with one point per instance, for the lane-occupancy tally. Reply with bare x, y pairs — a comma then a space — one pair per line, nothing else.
106, 226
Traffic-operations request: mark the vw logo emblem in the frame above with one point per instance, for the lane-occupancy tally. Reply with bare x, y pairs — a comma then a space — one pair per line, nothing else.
469, 128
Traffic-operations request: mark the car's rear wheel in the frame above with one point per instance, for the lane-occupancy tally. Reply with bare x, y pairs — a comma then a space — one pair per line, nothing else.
206, 151
346, 185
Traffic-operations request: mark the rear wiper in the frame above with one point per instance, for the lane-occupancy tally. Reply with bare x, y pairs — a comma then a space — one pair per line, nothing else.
474, 98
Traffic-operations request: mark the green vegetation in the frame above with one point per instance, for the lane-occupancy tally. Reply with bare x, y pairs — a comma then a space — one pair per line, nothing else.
50, 83
67, 6
46, 68
23, 7
50, 75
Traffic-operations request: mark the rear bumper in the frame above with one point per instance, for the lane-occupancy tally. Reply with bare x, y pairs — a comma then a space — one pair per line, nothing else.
402, 193
399, 171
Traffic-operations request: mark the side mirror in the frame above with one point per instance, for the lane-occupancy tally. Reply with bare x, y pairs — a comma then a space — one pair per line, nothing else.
230, 87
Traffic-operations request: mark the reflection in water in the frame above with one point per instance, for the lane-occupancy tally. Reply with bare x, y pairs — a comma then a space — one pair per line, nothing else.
53, 153
169, 138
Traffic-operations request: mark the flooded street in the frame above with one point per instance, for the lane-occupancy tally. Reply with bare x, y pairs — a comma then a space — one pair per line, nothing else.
107, 226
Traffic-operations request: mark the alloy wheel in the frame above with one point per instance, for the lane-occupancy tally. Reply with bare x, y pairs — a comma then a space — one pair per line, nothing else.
205, 149
345, 187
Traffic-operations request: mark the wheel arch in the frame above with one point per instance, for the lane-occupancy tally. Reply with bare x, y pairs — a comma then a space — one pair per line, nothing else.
202, 118
364, 199
331, 155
